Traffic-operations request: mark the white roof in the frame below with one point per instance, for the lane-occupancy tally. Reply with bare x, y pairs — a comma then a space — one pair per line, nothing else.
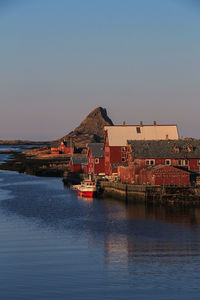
118, 135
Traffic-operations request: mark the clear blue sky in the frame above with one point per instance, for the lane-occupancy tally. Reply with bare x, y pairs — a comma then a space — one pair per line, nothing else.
60, 59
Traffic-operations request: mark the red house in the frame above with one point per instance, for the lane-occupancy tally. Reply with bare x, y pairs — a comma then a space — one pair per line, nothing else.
183, 153
116, 140
156, 175
78, 164
172, 162
164, 175
55, 147
62, 147
96, 161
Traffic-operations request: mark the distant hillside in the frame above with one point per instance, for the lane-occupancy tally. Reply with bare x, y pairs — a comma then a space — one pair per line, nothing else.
91, 129
23, 142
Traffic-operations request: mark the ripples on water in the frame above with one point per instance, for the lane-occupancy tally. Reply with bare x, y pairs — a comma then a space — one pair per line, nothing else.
54, 245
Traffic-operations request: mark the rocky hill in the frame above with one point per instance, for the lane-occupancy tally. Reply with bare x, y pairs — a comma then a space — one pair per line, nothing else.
91, 129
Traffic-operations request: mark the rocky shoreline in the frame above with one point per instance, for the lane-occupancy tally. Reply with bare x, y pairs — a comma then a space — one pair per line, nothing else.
23, 163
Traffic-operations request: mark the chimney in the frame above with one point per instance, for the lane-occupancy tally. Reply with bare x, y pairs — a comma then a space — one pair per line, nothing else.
167, 137
141, 124
124, 123
154, 123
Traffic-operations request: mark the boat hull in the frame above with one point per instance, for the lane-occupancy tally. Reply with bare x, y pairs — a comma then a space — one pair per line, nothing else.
86, 193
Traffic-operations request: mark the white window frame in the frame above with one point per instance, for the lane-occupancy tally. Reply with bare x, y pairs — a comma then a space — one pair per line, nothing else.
123, 159
152, 160
148, 162
169, 160
96, 161
183, 162
123, 149
198, 163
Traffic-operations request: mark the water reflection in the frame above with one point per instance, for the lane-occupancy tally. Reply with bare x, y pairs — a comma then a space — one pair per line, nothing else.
143, 246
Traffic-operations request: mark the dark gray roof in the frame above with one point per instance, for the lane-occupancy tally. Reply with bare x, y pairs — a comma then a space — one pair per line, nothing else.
180, 149
79, 160
97, 149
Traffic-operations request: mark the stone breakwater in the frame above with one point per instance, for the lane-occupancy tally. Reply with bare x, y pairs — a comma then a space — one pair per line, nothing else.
152, 194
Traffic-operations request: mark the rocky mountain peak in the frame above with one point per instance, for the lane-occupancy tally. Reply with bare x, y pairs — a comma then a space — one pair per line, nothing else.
91, 129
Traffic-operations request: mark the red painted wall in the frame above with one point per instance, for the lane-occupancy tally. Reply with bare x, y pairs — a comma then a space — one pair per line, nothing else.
65, 149
75, 168
192, 163
126, 174
164, 176
95, 168
113, 155
62, 149
84, 169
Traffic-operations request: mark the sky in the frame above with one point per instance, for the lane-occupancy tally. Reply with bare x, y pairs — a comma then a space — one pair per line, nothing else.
60, 59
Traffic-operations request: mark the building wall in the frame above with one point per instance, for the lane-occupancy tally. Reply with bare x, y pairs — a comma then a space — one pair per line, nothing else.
94, 167
114, 155
84, 169
193, 163
62, 149
75, 168
164, 176
126, 174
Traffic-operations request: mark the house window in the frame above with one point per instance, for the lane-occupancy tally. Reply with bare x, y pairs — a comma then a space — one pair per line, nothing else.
198, 162
96, 160
183, 162
138, 130
168, 162
123, 149
150, 162
123, 159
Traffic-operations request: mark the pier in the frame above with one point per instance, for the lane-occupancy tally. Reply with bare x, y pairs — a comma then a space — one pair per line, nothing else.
151, 194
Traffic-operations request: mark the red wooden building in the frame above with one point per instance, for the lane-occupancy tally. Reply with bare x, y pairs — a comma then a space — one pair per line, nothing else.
62, 147
156, 175
173, 162
182, 153
127, 174
78, 164
55, 147
96, 161
164, 175
116, 140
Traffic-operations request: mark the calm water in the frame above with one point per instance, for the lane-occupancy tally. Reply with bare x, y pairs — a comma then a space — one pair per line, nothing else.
54, 245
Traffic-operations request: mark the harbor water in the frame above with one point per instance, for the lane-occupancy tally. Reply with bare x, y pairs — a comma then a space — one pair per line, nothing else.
54, 245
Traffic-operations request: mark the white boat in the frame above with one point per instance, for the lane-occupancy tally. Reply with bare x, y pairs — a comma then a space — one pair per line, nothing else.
87, 188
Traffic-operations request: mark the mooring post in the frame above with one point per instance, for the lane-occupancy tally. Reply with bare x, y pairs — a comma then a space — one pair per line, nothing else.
126, 193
